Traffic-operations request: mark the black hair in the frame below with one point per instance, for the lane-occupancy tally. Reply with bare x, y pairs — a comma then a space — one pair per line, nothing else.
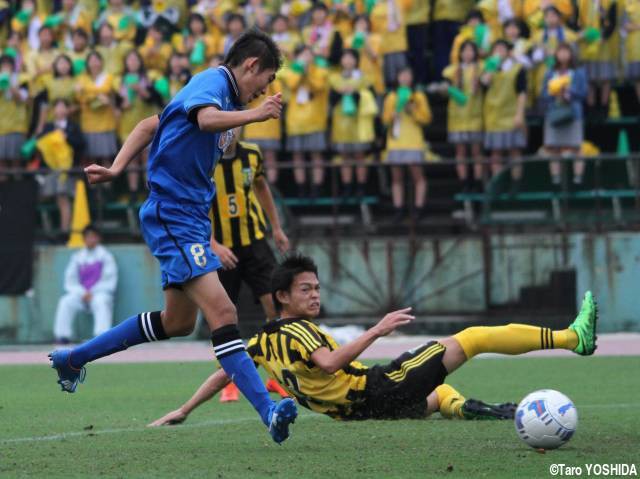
465, 44
200, 18
8, 59
277, 17
572, 59
353, 52
90, 228
236, 16
357, 18
61, 100
285, 274
62, 56
502, 41
254, 43
522, 27
93, 53
141, 69
474, 14
554, 9
320, 6
81, 32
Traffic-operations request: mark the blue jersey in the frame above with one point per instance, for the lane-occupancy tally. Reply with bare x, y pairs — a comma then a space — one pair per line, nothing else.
182, 157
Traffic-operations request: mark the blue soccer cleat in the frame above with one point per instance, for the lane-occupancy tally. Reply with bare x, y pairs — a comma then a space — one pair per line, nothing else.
281, 415
68, 376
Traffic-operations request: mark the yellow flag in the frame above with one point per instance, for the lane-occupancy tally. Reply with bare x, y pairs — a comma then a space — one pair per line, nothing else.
81, 216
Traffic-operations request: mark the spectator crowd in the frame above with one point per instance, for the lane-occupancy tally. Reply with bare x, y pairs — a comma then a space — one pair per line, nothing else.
77, 75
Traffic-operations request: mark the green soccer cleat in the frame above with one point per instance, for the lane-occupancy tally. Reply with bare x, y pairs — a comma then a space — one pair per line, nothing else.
585, 326
476, 409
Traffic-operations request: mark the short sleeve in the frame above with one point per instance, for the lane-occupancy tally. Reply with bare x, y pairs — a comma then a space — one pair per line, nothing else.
307, 338
203, 91
260, 164
253, 350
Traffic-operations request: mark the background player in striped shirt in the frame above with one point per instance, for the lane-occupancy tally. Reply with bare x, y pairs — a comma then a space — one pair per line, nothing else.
327, 379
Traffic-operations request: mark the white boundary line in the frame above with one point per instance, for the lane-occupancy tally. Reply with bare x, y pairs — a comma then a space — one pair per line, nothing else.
216, 422
91, 432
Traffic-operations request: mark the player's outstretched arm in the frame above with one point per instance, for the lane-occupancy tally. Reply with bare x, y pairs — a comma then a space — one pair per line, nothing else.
265, 198
215, 383
212, 119
332, 361
138, 140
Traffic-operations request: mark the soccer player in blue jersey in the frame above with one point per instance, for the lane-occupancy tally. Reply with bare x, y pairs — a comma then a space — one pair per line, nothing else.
192, 133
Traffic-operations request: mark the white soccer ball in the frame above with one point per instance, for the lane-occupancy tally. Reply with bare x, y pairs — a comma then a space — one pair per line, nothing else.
546, 419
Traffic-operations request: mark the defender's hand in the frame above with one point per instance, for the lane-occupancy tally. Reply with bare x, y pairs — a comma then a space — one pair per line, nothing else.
281, 240
392, 321
172, 418
99, 174
271, 108
227, 258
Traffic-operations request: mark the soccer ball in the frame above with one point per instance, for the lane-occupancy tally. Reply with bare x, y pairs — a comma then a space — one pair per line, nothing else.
546, 419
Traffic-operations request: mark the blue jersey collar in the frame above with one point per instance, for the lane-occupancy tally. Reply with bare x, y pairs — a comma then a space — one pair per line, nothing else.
233, 82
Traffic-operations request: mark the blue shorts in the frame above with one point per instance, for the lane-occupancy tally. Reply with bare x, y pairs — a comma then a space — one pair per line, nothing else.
178, 235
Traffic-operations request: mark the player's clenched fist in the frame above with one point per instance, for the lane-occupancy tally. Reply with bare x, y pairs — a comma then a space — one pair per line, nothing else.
270, 108
99, 174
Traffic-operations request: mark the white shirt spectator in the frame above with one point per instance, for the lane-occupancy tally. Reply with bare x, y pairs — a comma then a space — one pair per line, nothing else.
90, 283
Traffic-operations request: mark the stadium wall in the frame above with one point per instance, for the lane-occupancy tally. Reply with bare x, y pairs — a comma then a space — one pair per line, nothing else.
363, 278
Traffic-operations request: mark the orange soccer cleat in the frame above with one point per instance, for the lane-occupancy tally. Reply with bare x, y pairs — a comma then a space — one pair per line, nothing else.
230, 393
274, 387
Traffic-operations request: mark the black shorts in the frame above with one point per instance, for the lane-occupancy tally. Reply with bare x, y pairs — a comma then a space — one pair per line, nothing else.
255, 265
399, 389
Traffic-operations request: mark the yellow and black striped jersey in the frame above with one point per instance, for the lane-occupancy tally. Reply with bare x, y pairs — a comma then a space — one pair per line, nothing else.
284, 349
236, 215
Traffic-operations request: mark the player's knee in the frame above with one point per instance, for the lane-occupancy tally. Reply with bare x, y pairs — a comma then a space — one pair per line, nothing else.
227, 314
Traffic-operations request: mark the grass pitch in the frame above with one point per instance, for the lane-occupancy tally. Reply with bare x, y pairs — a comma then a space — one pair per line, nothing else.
100, 431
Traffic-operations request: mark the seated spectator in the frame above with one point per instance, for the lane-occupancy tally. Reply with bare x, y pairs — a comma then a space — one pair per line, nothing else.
59, 154
14, 120
406, 111
352, 125
306, 116
464, 113
505, 84
564, 90
90, 282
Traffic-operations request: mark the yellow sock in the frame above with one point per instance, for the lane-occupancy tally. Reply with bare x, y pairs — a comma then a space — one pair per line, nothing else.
450, 402
513, 339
